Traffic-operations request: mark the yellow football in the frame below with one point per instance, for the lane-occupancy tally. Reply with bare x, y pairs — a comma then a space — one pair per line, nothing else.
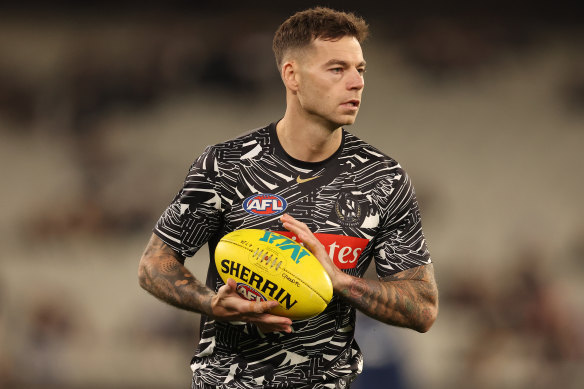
270, 266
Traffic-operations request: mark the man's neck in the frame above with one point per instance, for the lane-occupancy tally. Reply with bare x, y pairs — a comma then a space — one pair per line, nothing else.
308, 141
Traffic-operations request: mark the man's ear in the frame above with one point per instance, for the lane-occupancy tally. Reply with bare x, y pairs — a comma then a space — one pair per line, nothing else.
290, 75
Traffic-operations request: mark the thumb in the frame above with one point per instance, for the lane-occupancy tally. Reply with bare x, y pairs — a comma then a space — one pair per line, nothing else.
229, 287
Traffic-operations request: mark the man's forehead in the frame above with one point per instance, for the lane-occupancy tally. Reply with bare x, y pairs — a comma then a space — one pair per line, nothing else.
320, 50
348, 41
346, 49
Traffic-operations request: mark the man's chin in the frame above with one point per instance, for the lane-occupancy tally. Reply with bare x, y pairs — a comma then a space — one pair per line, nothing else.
348, 121
338, 122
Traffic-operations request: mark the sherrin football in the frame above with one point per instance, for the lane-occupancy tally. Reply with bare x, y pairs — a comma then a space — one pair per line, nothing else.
270, 266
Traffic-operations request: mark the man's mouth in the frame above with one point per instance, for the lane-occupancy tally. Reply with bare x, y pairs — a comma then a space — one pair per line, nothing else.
352, 103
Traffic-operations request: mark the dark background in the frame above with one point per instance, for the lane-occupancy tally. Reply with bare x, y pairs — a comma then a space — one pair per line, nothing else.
104, 106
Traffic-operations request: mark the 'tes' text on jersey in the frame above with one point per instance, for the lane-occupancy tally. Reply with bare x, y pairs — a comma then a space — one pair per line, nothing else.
344, 250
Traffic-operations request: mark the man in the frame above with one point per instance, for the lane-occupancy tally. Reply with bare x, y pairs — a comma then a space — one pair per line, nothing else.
345, 200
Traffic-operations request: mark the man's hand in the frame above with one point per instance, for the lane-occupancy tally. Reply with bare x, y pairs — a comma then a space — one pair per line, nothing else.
406, 299
310, 241
227, 305
162, 273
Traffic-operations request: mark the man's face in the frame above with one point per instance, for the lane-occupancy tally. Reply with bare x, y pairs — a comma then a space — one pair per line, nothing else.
330, 80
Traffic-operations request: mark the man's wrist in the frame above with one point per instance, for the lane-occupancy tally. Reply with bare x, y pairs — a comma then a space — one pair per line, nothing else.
342, 283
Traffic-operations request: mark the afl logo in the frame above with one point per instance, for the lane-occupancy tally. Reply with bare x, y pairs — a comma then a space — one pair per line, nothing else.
265, 204
249, 293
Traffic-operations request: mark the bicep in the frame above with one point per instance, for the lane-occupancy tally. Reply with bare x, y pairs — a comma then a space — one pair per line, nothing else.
195, 214
401, 247
400, 244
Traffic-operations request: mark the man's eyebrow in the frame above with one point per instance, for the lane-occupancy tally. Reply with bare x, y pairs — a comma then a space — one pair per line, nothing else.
343, 63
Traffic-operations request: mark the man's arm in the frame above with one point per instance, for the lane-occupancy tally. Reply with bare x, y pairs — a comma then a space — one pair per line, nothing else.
162, 273
406, 299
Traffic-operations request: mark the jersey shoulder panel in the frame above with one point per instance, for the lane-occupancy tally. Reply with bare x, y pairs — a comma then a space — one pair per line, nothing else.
393, 192
360, 153
251, 145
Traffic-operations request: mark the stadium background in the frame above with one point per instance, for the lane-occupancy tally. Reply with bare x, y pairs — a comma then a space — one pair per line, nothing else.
103, 108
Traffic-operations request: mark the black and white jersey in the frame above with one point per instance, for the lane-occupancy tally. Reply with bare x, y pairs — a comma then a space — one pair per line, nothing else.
359, 203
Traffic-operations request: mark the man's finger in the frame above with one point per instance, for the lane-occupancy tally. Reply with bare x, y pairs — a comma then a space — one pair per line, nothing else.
232, 284
272, 320
261, 306
227, 289
303, 232
265, 328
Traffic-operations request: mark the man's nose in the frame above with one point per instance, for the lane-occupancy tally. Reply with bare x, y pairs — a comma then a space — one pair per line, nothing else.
356, 80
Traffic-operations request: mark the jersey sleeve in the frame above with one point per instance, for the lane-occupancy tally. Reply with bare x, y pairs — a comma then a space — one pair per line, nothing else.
400, 244
194, 215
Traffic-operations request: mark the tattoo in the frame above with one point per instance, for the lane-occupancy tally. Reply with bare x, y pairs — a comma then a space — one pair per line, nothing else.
163, 274
358, 288
407, 299
416, 273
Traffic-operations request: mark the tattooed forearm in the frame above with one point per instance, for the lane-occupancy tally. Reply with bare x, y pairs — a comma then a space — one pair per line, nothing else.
406, 299
163, 274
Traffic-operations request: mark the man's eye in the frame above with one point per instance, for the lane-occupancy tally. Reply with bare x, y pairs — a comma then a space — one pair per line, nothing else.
337, 70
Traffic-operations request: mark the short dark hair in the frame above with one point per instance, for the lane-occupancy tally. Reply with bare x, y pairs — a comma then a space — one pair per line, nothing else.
300, 29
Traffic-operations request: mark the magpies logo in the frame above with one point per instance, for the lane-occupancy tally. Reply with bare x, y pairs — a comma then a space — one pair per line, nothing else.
348, 209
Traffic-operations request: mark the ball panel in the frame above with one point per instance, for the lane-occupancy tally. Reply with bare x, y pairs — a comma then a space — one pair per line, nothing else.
271, 266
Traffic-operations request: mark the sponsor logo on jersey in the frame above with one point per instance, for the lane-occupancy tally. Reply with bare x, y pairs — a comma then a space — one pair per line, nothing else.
265, 204
303, 180
345, 251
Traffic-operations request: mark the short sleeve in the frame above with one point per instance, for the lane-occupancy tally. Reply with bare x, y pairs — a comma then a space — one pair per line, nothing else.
400, 243
194, 215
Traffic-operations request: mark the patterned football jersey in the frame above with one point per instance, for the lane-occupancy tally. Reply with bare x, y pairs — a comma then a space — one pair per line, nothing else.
359, 203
